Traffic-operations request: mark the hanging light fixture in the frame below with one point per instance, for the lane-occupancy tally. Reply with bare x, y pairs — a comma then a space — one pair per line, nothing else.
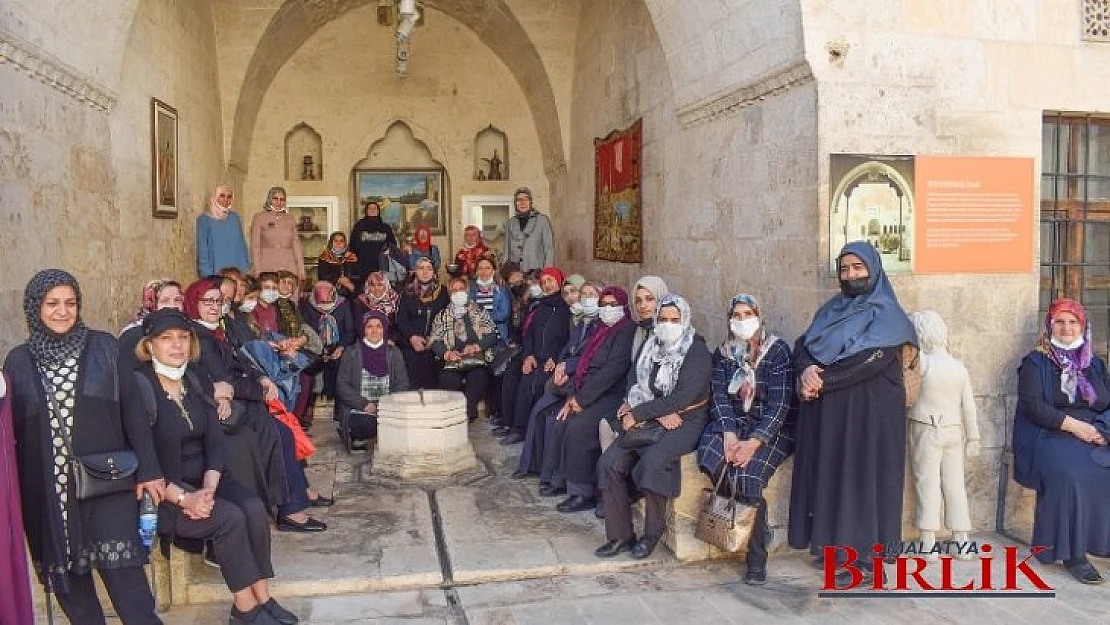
403, 16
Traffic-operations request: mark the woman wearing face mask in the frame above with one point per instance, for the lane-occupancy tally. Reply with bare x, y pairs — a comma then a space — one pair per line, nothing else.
1060, 434
69, 399
275, 244
545, 333
330, 315
544, 435
495, 298
668, 388
463, 337
473, 249
369, 370
753, 408
339, 265
220, 241
424, 299
851, 442
203, 502
595, 389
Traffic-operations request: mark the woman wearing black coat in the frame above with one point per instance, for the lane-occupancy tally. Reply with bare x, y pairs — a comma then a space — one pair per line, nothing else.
422, 301
545, 333
669, 388
327, 312
89, 411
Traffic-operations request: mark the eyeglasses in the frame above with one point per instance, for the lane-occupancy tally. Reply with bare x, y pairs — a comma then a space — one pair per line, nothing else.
212, 301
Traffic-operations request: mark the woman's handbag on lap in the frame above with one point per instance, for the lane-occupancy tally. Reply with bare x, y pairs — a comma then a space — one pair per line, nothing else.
725, 522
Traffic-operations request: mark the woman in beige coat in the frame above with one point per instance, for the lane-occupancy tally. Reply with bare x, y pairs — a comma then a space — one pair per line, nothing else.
274, 241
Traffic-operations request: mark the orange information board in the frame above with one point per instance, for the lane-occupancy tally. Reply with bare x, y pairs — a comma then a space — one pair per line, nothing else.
974, 214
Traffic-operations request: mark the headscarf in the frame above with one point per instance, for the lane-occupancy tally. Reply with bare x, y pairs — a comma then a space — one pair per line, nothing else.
329, 254
739, 351
477, 231
375, 361
325, 299
424, 291
576, 280
581, 317
46, 347
426, 246
668, 359
1072, 362
602, 333
214, 209
151, 291
656, 287
387, 303
845, 326
269, 204
194, 293
554, 272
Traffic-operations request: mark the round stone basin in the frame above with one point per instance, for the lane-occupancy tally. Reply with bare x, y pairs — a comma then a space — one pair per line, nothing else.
423, 436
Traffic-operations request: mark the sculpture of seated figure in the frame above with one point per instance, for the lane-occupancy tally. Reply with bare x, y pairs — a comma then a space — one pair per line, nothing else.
943, 428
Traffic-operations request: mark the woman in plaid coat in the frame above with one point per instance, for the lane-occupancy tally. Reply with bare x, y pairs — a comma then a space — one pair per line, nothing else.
752, 416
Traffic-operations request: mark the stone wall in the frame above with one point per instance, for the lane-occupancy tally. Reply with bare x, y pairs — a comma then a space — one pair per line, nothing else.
343, 83
74, 178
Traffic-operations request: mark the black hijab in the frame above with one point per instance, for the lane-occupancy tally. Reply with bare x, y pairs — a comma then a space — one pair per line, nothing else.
47, 347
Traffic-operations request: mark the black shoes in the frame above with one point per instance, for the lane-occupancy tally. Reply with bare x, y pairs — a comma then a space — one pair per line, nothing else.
512, 438
1083, 571
599, 511
615, 547
755, 577
520, 474
280, 614
547, 490
285, 524
501, 430
644, 547
258, 616
321, 502
576, 503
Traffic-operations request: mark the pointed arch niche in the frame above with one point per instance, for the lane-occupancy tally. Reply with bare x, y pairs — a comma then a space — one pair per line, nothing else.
304, 153
398, 151
491, 154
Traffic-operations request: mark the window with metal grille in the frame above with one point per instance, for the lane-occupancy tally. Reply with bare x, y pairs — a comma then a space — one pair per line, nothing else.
1075, 216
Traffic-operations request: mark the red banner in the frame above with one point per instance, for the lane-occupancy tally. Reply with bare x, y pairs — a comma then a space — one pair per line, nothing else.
618, 218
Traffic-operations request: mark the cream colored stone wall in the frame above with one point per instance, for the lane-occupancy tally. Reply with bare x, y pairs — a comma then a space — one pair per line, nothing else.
75, 188
343, 83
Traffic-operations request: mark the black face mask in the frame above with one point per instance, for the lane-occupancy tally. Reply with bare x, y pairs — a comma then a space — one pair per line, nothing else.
852, 288
519, 289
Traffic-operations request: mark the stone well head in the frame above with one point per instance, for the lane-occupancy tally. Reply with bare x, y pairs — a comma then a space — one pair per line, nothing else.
423, 436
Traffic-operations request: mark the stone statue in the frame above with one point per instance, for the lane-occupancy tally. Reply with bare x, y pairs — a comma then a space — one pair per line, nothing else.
494, 167
943, 428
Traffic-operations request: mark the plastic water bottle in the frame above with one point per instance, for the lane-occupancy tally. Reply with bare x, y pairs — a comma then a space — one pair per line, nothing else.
148, 519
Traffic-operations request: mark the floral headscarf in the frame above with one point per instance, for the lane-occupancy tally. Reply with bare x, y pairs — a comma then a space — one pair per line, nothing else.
1072, 362
668, 359
387, 303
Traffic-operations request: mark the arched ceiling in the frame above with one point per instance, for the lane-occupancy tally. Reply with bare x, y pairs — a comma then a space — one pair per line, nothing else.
492, 20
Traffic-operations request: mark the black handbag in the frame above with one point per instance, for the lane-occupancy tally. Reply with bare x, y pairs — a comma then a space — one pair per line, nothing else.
647, 433
100, 473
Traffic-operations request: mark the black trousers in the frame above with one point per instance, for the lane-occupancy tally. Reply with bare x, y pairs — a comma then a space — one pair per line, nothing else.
509, 384
472, 383
422, 368
618, 495
127, 588
239, 529
529, 391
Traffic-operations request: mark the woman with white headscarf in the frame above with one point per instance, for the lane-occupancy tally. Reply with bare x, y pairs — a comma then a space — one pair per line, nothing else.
220, 241
668, 392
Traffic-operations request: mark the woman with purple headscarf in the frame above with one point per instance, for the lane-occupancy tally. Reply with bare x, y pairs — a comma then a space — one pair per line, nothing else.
368, 370
1060, 432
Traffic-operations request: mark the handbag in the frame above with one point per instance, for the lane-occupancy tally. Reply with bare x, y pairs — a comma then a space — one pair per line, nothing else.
646, 433
466, 363
912, 373
99, 473
725, 522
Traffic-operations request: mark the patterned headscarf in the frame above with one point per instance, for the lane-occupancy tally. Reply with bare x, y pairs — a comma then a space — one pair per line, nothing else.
387, 303
325, 299
47, 347
739, 351
1072, 362
668, 359
268, 205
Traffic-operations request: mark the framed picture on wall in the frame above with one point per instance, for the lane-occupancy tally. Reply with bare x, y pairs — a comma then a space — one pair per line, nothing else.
409, 198
164, 159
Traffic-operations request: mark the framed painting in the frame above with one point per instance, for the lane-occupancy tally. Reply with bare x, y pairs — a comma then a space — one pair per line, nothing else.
409, 198
618, 214
164, 158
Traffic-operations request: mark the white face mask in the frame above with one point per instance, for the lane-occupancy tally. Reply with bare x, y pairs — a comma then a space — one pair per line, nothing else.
610, 315
485, 282
589, 306
459, 299
373, 345
166, 371
269, 295
248, 305
535, 291
576, 308
1073, 345
211, 325
668, 332
744, 329
226, 308
328, 307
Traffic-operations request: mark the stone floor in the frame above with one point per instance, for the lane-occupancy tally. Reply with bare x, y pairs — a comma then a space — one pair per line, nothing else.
489, 550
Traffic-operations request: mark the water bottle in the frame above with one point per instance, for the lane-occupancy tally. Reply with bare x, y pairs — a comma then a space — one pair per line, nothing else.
148, 519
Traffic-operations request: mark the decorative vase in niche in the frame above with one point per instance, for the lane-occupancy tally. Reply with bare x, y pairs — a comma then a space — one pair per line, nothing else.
308, 170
